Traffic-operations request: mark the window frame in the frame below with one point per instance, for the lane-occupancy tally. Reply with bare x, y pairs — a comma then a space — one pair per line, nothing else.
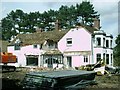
103, 42
69, 41
85, 59
107, 43
17, 46
111, 43
98, 58
111, 58
107, 58
98, 39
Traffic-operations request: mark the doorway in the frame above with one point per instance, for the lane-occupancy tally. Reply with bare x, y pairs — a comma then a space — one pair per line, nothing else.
69, 61
50, 61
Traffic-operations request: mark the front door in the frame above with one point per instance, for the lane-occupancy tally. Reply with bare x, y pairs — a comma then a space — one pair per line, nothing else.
69, 61
50, 63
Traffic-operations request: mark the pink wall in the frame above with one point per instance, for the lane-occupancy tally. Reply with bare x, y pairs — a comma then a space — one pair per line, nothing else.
81, 40
25, 50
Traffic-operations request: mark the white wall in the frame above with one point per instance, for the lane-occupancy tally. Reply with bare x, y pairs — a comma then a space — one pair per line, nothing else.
102, 49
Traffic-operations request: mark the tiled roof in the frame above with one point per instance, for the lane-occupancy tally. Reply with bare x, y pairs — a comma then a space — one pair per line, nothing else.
39, 37
3, 45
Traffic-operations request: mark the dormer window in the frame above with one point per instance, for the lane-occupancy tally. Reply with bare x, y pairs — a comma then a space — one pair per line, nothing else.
69, 41
17, 46
35, 46
50, 45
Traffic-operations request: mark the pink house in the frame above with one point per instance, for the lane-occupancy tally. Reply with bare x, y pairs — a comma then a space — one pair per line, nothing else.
78, 46
81, 46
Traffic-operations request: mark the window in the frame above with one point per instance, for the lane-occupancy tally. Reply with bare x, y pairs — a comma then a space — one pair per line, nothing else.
35, 46
111, 43
98, 41
104, 56
103, 42
69, 41
60, 61
111, 58
56, 46
17, 46
32, 61
50, 45
85, 58
107, 58
98, 57
107, 43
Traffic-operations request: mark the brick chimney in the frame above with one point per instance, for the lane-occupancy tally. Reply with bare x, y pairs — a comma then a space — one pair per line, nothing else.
57, 25
96, 24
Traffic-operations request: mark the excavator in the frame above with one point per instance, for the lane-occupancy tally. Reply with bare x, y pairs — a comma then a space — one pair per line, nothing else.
5, 59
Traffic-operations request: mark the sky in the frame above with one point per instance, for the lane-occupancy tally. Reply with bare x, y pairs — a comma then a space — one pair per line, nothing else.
108, 10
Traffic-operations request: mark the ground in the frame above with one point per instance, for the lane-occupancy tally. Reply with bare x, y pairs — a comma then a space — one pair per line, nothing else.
12, 80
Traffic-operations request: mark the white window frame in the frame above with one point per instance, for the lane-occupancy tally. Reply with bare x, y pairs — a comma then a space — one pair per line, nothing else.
69, 41
98, 41
98, 58
85, 59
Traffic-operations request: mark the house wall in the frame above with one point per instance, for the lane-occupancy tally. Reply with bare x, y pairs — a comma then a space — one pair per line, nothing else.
81, 41
21, 54
102, 49
98, 51
78, 61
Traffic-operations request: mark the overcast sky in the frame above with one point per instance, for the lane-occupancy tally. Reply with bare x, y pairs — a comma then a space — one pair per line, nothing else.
108, 10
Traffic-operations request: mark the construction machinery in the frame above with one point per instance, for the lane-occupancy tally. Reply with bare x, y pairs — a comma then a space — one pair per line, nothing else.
7, 58
100, 67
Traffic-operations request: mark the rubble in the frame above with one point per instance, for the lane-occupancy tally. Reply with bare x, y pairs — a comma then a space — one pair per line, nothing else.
15, 78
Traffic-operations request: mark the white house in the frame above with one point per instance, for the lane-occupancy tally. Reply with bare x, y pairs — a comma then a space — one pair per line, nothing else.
78, 46
102, 44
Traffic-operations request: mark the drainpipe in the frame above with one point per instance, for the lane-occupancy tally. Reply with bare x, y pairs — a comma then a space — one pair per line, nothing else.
92, 48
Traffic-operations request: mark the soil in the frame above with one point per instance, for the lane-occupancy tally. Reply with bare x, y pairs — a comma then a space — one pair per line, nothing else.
12, 80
